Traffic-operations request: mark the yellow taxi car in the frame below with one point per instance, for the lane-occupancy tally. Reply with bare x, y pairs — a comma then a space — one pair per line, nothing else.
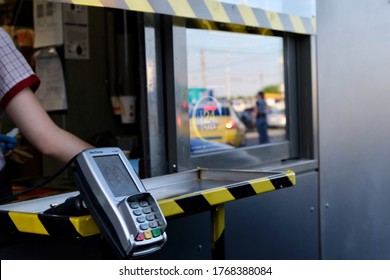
217, 122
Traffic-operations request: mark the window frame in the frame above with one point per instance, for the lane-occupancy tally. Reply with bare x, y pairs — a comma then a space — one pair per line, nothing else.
245, 157
298, 152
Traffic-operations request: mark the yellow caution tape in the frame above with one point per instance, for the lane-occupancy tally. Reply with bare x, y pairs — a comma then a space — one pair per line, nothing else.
211, 10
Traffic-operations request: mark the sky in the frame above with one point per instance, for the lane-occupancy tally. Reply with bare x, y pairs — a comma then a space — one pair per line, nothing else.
234, 64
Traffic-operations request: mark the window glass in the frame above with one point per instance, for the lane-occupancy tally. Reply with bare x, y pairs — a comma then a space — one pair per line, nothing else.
226, 71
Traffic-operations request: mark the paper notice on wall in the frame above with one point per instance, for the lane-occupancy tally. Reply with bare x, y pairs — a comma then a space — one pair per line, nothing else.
51, 93
47, 24
76, 35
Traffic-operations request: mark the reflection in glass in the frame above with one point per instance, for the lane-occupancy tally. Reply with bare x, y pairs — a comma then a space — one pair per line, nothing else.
226, 71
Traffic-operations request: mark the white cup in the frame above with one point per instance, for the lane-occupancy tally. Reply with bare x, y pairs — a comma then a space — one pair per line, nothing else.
127, 105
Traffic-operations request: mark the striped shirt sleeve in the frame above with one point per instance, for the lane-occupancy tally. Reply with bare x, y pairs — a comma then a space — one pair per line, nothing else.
15, 73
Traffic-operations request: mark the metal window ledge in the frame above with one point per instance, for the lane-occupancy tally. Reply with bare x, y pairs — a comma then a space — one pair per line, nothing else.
178, 194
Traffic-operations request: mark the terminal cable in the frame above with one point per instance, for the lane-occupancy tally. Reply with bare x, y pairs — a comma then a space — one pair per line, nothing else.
39, 185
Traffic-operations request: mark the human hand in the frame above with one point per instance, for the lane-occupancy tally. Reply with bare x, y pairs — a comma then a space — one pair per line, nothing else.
7, 143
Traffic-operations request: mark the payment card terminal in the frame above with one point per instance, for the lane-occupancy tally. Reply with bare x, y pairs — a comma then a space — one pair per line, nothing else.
126, 214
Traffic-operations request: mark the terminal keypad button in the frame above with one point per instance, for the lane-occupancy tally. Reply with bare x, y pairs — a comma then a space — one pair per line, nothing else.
144, 226
149, 217
153, 224
156, 232
148, 234
143, 203
134, 205
140, 236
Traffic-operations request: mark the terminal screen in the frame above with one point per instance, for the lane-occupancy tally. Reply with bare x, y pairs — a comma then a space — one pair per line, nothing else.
116, 175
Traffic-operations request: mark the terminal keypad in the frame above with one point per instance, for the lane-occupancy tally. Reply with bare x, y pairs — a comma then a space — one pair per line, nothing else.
146, 220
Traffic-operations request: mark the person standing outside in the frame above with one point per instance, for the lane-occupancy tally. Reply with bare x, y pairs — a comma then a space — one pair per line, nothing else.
260, 114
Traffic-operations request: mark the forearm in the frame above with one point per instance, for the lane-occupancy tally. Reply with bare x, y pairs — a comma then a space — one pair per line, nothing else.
38, 128
60, 144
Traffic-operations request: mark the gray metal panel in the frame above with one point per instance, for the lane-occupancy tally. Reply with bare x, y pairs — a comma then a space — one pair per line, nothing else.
155, 101
188, 239
181, 92
353, 86
275, 225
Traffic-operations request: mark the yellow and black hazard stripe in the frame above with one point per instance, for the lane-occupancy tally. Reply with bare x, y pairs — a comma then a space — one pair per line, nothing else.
218, 232
205, 200
44, 224
211, 10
